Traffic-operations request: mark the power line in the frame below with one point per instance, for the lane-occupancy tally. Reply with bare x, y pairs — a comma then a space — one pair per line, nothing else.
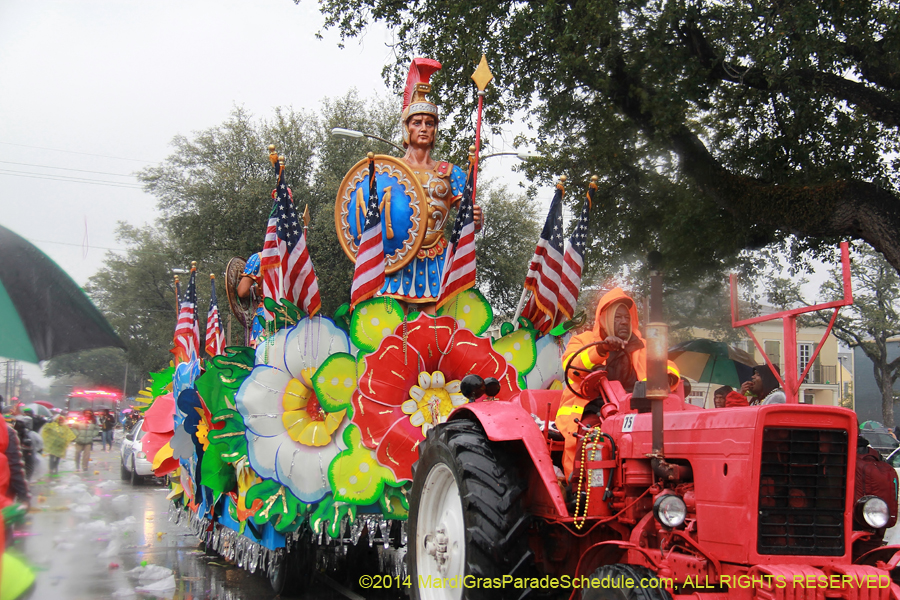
42, 176
74, 152
65, 169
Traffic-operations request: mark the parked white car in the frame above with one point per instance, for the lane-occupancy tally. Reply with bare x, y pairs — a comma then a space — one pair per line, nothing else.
135, 467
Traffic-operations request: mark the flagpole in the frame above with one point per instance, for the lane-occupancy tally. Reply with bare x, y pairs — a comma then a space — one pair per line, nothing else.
281, 290
177, 298
482, 77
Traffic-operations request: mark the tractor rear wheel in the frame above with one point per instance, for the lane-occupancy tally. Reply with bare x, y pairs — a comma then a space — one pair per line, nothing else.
465, 515
644, 584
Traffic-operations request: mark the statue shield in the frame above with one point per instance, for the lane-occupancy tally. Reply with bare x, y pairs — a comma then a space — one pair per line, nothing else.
404, 210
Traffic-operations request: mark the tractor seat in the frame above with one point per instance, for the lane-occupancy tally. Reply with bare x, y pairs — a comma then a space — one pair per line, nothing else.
541, 403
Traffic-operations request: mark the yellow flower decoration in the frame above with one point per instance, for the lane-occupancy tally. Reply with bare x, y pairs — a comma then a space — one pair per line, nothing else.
303, 418
432, 400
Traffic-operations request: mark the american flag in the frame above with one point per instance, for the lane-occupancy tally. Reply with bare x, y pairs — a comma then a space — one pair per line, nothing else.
368, 274
215, 338
573, 261
545, 271
187, 330
459, 266
285, 264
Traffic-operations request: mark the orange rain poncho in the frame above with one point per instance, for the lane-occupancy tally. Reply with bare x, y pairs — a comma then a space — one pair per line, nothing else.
571, 406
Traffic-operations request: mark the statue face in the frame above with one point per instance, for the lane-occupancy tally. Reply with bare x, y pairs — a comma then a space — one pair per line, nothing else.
421, 130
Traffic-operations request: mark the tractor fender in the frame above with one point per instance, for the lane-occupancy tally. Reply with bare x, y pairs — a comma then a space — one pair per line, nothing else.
509, 422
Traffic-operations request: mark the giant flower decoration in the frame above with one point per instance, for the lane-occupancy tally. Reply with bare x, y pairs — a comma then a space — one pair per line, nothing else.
294, 402
410, 383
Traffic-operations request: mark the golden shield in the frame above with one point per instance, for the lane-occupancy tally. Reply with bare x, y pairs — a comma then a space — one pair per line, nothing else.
404, 210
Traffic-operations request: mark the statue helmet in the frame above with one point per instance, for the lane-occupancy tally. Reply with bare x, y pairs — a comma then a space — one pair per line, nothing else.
415, 101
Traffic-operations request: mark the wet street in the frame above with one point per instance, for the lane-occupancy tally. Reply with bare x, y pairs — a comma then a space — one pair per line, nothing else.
89, 534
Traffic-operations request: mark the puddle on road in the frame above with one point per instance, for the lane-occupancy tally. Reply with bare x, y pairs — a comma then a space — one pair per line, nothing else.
89, 531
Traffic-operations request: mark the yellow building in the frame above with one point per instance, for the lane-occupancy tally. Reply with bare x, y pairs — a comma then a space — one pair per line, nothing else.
829, 379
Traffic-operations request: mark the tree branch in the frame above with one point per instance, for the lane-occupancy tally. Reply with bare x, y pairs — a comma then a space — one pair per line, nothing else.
872, 102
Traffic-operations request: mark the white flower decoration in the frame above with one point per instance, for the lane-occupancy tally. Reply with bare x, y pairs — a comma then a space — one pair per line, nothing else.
289, 437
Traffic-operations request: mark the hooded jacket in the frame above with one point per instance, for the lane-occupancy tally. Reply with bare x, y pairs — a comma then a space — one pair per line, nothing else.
635, 349
626, 366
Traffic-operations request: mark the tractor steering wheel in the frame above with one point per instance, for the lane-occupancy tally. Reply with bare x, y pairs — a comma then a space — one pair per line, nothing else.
570, 370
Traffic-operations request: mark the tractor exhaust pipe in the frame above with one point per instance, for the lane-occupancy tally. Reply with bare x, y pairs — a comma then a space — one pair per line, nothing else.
657, 338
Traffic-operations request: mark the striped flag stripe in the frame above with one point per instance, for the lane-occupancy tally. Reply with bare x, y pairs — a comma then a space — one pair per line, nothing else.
368, 273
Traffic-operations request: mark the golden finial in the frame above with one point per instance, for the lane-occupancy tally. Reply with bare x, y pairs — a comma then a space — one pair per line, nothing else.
306, 216
370, 155
273, 156
176, 280
561, 186
482, 75
281, 159
212, 275
562, 178
193, 265
471, 149
594, 178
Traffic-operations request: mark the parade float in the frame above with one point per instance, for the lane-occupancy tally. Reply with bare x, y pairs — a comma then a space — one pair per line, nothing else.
402, 445
297, 453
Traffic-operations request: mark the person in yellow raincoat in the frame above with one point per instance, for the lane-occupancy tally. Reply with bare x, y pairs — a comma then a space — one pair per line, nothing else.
57, 437
623, 354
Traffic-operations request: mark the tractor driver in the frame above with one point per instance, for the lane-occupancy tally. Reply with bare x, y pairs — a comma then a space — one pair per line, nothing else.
622, 353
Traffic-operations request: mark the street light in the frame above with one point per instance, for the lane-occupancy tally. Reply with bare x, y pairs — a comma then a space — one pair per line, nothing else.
523, 155
352, 134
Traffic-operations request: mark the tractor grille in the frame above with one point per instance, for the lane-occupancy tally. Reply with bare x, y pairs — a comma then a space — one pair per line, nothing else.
802, 485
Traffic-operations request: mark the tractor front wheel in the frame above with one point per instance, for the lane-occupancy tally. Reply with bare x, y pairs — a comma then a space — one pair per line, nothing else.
465, 516
625, 582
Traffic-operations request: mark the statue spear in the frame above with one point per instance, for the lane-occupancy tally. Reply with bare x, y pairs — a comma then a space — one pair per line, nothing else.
482, 77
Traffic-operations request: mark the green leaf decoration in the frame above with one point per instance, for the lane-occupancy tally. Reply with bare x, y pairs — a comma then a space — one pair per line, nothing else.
329, 515
518, 349
471, 310
216, 474
355, 475
161, 382
230, 442
393, 502
342, 317
522, 382
506, 329
335, 381
413, 315
280, 507
373, 320
223, 377
525, 323
286, 314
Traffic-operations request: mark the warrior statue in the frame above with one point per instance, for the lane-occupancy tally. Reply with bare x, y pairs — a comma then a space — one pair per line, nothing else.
417, 193
419, 281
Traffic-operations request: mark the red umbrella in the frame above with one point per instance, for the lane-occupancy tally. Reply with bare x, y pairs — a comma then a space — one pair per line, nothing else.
44, 403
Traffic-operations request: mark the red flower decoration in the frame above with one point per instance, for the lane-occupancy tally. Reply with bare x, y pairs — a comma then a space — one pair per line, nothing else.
391, 372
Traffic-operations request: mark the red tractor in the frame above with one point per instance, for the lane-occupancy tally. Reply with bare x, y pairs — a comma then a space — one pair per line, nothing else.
666, 501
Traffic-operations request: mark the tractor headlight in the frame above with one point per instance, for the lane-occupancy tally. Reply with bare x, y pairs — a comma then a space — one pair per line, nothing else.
670, 510
872, 511
141, 455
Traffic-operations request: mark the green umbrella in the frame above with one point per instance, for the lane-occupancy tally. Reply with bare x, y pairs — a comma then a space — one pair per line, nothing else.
44, 313
712, 362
